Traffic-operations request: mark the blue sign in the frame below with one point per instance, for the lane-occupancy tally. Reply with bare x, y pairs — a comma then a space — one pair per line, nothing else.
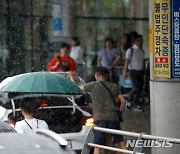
57, 20
57, 24
175, 23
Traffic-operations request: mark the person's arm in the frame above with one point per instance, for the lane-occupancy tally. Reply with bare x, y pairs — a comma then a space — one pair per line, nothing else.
72, 65
116, 59
127, 61
87, 87
81, 87
98, 62
122, 100
45, 125
125, 71
99, 58
115, 62
71, 76
18, 128
53, 65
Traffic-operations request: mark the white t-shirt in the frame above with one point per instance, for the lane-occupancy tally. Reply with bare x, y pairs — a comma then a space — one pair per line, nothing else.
30, 126
77, 54
136, 59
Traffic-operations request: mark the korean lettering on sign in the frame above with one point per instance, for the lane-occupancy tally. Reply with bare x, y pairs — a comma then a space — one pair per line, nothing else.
175, 38
162, 41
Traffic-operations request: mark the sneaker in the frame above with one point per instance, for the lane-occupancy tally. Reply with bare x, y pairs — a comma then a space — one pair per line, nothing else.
138, 109
128, 105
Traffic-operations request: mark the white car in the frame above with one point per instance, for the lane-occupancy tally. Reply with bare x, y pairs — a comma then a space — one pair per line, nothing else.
41, 142
5, 128
62, 115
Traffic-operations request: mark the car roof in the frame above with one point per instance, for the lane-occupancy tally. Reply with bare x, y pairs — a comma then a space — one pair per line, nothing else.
14, 143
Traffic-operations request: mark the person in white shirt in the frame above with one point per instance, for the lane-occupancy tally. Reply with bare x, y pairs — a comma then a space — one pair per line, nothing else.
134, 63
29, 123
77, 54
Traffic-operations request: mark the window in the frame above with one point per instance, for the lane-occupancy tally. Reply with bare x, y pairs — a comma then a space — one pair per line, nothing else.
24, 35
97, 19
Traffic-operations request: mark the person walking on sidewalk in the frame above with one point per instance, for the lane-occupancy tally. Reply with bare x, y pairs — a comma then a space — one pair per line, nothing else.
109, 57
134, 63
77, 54
125, 44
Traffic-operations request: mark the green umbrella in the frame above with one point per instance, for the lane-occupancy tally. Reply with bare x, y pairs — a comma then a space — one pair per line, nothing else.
42, 83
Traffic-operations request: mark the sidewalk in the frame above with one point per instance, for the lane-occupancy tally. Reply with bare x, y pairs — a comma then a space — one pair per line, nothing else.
137, 122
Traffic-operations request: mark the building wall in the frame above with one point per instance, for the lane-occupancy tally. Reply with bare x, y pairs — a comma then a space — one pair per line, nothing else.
26, 38
97, 19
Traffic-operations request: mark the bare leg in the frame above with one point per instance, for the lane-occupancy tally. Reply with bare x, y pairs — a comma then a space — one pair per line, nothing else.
109, 143
97, 150
122, 145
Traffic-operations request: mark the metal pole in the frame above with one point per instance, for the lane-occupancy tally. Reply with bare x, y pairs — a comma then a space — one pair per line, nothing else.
32, 37
9, 38
144, 136
110, 148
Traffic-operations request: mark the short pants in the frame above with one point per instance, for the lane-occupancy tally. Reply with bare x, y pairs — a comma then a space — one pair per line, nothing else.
100, 137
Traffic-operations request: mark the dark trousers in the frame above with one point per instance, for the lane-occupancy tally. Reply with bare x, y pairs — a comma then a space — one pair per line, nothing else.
137, 79
114, 76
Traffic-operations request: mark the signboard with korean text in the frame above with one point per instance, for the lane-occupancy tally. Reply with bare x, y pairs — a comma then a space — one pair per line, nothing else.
161, 39
175, 14
57, 20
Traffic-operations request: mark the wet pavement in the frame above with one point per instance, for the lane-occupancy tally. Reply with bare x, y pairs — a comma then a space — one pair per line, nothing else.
137, 122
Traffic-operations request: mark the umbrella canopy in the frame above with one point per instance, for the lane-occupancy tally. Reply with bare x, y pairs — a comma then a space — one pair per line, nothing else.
42, 83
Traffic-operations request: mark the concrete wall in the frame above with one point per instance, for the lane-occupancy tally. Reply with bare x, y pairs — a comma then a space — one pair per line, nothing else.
165, 112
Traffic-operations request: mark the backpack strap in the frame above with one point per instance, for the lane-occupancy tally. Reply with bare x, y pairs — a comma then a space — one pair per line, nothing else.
30, 125
109, 91
132, 51
59, 58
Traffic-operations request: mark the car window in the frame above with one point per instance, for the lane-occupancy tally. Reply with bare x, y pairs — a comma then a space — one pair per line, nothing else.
5, 128
42, 101
7, 105
56, 101
46, 101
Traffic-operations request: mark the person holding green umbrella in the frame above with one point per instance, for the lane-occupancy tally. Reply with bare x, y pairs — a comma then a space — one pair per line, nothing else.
104, 108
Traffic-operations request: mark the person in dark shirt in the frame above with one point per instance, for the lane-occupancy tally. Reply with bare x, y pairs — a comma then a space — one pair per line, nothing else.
104, 108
